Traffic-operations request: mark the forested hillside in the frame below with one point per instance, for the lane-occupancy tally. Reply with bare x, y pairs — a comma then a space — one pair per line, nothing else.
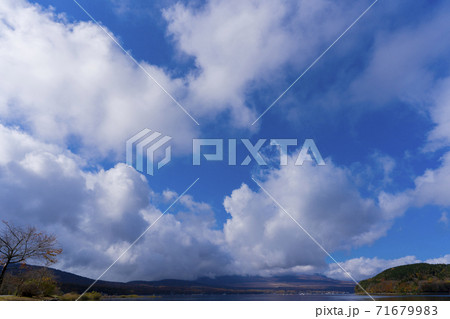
409, 279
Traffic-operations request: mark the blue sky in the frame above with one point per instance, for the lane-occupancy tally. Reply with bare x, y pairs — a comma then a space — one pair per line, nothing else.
376, 105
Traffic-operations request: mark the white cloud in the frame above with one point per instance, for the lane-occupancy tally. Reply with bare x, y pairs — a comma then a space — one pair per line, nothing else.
238, 45
97, 214
262, 238
67, 82
429, 189
440, 260
440, 113
363, 268
15, 144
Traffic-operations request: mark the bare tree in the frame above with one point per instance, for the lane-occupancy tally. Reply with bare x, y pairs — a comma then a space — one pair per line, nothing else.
22, 244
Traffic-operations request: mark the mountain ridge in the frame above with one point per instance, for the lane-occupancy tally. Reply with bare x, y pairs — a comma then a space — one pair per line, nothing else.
290, 284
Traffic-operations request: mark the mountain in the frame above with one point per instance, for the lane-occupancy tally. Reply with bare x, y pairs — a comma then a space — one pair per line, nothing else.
409, 279
69, 282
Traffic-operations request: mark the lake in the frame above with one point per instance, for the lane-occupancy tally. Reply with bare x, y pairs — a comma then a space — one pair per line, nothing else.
270, 297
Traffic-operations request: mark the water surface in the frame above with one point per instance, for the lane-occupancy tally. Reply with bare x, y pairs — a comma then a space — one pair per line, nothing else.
273, 297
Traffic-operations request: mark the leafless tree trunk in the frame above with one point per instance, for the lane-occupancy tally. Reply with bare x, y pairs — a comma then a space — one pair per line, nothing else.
19, 245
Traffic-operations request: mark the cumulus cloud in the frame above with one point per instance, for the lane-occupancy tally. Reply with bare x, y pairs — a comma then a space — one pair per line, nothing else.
69, 82
239, 45
322, 199
96, 215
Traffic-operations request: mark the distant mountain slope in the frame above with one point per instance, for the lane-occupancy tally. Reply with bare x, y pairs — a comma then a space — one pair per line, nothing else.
226, 284
410, 279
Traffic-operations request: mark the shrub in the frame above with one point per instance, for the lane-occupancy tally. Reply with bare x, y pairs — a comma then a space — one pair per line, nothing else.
91, 296
34, 283
10, 284
71, 296
48, 286
29, 289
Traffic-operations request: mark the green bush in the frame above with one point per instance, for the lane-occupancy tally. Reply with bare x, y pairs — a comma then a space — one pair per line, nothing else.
71, 296
29, 289
91, 296
36, 284
48, 287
